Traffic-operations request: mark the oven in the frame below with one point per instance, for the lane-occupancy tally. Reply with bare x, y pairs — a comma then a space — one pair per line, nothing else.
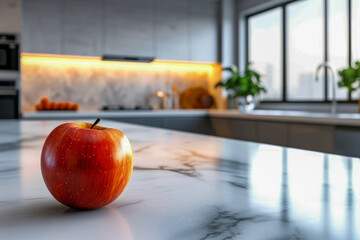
9, 94
9, 104
9, 52
9, 76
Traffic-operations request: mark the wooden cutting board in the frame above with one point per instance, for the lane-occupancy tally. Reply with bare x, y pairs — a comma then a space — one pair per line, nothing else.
196, 97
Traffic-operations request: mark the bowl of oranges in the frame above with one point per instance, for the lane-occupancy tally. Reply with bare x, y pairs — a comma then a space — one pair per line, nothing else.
46, 105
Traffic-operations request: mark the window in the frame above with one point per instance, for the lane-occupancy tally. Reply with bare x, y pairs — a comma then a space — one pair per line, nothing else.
287, 42
356, 29
355, 40
305, 49
266, 55
338, 41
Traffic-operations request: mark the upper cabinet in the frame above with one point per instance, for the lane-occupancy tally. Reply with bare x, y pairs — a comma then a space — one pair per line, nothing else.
171, 30
82, 27
128, 27
164, 29
204, 31
10, 16
41, 26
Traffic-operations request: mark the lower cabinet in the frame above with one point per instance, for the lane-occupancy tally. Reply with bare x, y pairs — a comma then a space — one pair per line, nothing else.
304, 136
312, 137
322, 138
273, 133
147, 121
347, 141
190, 124
231, 128
200, 125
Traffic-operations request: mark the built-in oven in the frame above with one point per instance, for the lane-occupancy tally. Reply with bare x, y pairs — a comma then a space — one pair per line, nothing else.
9, 76
9, 104
9, 52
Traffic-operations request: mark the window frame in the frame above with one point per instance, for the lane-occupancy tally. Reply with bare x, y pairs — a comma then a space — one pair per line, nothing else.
283, 6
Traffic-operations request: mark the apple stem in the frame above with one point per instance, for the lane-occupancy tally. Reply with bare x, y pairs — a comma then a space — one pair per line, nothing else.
96, 122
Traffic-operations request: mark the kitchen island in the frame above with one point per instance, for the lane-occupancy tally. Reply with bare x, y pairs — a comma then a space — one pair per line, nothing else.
185, 186
319, 118
324, 132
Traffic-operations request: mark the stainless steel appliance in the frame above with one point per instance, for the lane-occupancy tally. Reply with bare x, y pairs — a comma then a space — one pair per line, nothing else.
9, 76
9, 52
9, 104
127, 58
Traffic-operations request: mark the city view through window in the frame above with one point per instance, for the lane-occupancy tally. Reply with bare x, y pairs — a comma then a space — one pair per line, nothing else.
302, 24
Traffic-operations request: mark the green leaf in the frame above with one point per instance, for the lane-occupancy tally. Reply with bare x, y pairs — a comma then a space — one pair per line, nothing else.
242, 84
350, 77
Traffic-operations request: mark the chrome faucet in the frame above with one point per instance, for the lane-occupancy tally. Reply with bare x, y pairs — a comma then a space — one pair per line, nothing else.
331, 67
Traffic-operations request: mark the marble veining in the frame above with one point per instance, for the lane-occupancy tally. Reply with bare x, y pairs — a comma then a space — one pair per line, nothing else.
186, 186
225, 224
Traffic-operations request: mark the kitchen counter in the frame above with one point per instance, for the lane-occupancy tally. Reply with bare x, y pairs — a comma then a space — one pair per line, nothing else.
185, 186
339, 119
44, 115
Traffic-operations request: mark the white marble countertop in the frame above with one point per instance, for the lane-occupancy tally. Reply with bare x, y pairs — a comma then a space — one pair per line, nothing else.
185, 186
340, 119
112, 114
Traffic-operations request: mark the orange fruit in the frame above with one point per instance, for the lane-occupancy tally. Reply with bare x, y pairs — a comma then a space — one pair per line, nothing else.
61, 105
75, 107
38, 107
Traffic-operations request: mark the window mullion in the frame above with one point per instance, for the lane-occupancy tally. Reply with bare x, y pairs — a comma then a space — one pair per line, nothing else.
349, 39
326, 48
284, 53
247, 42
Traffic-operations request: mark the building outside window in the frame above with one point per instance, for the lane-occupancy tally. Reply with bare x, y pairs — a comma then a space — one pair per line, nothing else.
299, 36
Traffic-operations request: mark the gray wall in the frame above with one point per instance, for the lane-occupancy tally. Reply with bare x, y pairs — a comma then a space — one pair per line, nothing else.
256, 5
229, 34
248, 4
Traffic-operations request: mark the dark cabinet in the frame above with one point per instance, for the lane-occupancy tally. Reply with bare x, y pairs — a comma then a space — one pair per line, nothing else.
9, 104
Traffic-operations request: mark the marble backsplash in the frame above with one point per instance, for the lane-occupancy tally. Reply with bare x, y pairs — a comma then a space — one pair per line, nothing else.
93, 86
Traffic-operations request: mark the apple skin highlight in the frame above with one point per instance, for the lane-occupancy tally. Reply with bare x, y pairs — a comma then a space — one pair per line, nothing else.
86, 168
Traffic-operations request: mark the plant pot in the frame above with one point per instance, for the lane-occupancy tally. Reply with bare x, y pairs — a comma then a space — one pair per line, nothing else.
231, 103
247, 103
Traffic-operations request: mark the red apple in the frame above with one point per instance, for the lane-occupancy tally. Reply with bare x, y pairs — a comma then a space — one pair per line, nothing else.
86, 166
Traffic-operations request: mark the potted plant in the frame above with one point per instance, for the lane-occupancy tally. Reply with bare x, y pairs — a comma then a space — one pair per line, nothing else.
243, 87
350, 78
